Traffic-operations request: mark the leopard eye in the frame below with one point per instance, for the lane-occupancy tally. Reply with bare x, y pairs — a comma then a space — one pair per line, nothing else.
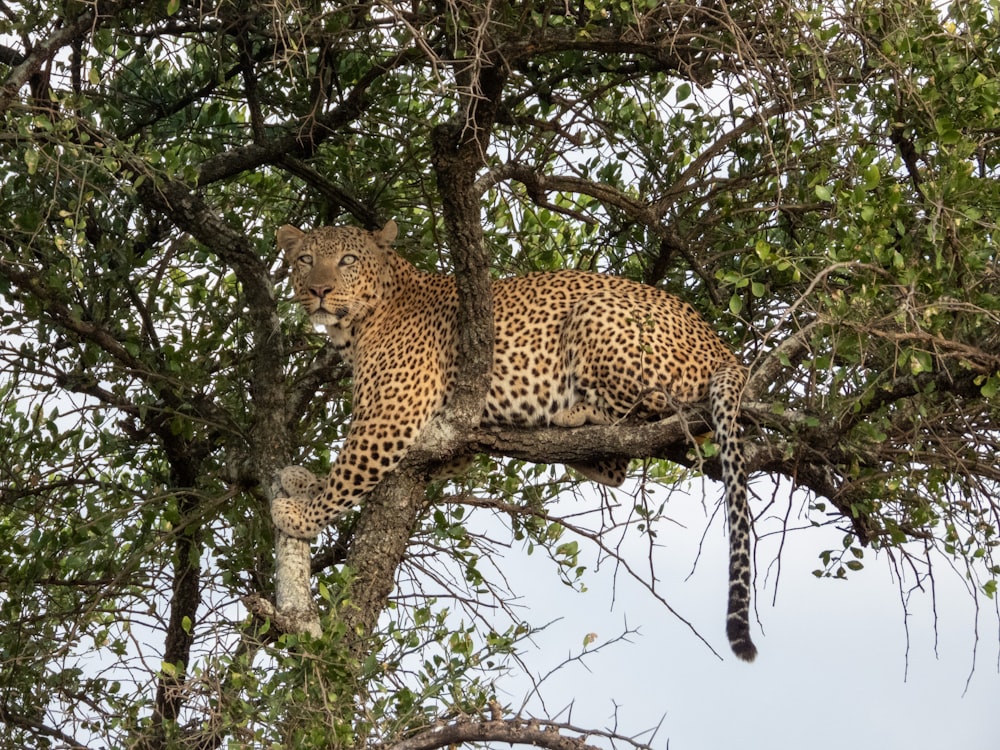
348, 260
305, 260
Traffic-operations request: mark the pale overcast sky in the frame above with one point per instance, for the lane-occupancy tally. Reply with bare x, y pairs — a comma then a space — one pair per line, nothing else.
832, 669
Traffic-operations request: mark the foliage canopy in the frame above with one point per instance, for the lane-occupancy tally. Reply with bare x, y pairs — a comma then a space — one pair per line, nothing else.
822, 182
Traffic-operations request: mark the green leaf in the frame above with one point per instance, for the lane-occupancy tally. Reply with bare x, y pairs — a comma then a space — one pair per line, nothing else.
990, 387
921, 361
31, 160
872, 177
736, 304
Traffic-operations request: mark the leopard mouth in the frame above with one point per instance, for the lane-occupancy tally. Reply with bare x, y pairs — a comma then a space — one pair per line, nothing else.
322, 318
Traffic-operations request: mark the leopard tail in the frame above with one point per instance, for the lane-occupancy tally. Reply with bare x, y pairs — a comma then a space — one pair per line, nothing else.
725, 392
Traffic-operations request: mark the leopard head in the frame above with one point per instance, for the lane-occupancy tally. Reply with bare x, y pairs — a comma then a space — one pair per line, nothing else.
337, 273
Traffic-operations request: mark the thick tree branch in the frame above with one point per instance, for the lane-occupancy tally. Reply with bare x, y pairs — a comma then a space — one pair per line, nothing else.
544, 734
294, 609
379, 542
668, 438
459, 151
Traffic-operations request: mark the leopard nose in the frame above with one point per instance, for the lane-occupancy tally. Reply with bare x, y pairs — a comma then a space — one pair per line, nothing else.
319, 292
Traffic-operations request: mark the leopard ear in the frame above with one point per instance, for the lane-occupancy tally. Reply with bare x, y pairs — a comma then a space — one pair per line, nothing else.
385, 236
289, 238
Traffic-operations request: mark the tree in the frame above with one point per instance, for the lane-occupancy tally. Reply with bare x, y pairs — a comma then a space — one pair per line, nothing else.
821, 182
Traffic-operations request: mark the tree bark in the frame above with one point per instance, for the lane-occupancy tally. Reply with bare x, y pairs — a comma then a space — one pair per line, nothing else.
377, 548
295, 609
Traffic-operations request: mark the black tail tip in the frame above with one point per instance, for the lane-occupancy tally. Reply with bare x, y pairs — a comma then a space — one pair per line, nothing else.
745, 650
739, 641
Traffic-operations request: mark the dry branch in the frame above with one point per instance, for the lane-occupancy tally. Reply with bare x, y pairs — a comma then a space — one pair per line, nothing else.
545, 734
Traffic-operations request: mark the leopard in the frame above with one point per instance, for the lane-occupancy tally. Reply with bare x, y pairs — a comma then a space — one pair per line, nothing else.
571, 348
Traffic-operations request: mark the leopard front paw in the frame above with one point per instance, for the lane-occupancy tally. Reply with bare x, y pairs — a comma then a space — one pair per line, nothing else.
289, 515
297, 481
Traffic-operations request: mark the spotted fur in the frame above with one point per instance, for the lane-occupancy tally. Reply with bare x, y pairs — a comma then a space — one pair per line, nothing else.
571, 348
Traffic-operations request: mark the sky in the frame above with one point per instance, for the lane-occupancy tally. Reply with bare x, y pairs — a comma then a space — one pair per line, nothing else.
840, 663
